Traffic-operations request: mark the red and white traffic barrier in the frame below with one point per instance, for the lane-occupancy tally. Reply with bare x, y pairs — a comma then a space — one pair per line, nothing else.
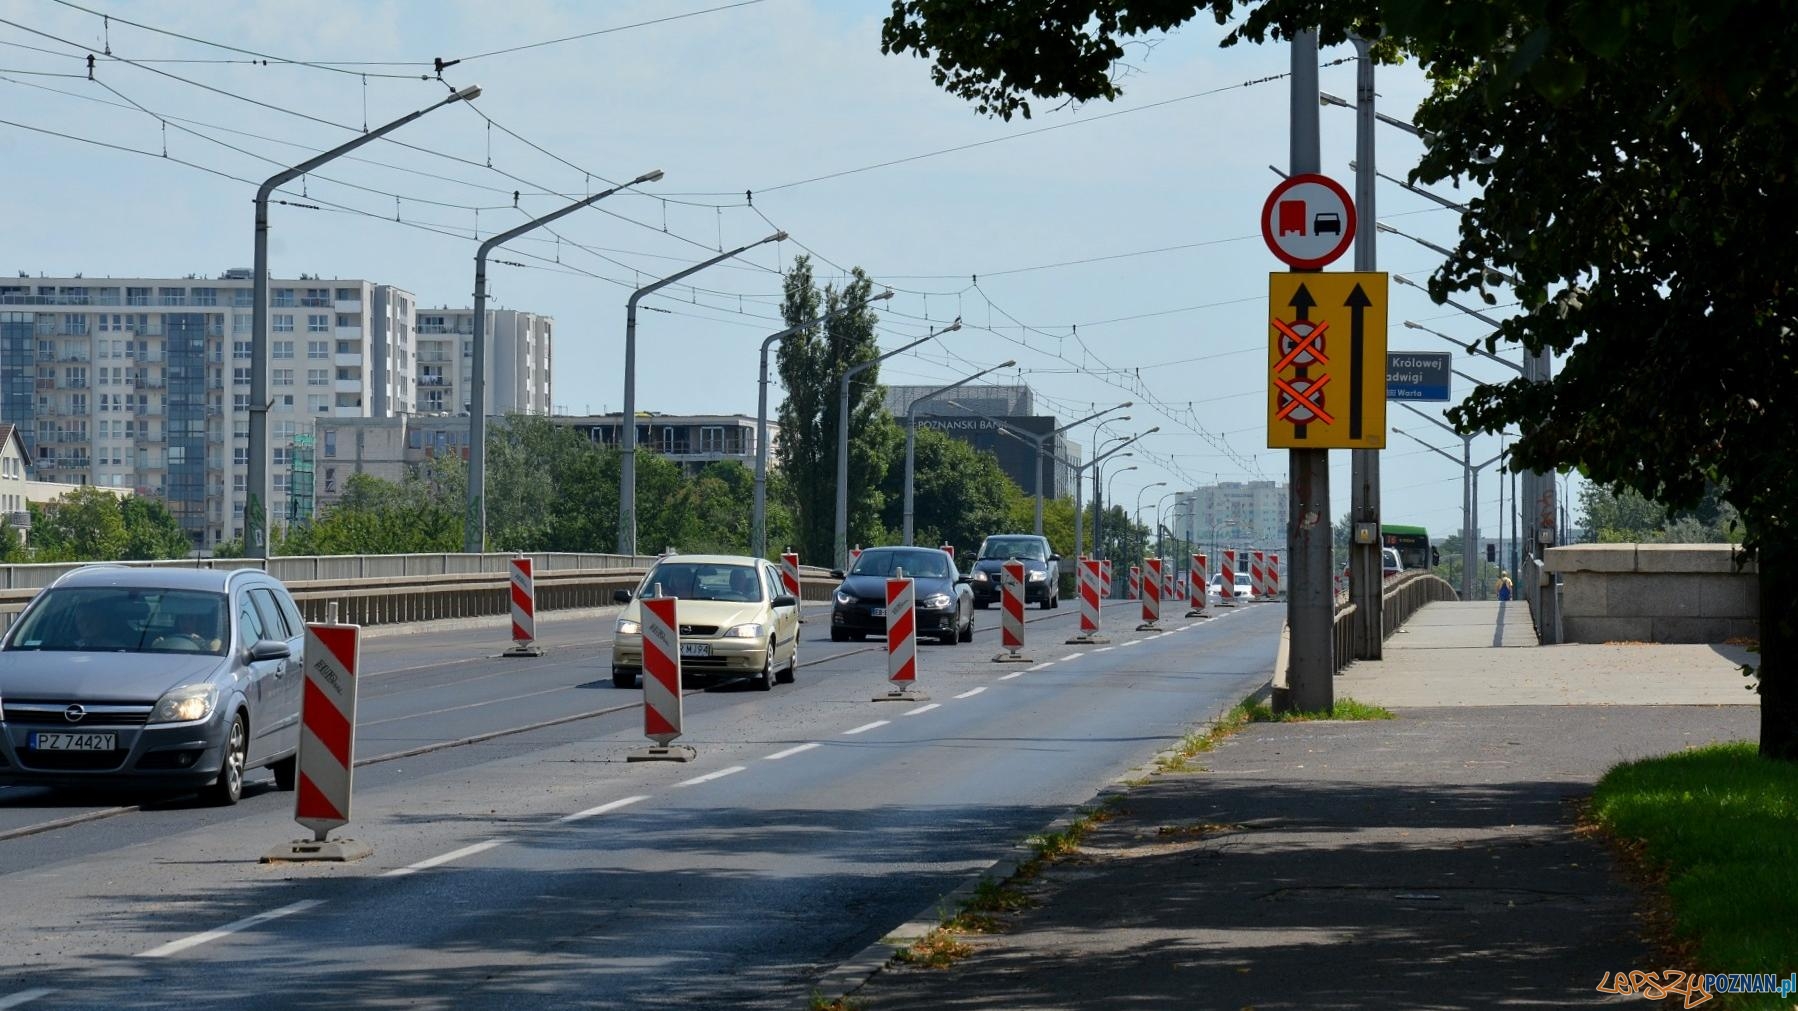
1133, 588
662, 709
789, 573
1090, 574
1258, 574
1152, 586
1273, 576
1196, 581
326, 763
902, 640
1226, 594
1169, 593
949, 549
855, 555
524, 609
1105, 577
1011, 612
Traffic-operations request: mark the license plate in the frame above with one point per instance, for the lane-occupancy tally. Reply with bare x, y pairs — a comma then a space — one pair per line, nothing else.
695, 649
72, 742
877, 612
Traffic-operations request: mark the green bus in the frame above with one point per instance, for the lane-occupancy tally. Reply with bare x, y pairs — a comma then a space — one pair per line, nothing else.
1413, 544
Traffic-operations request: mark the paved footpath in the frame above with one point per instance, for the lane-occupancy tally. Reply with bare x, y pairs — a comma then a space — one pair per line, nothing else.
1424, 862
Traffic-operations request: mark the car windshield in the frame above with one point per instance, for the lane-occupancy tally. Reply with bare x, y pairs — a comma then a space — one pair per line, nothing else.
1028, 548
703, 581
124, 619
922, 563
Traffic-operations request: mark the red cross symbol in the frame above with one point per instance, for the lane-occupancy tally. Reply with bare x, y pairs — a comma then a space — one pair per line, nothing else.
1304, 397
1308, 346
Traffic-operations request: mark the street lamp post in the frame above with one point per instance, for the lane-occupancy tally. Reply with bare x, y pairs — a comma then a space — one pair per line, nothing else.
1138, 517
1041, 441
255, 514
1470, 485
1079, 510
474, 527
840, 557
1099, 504
911, 435
1159, 544
758, 526
627, 442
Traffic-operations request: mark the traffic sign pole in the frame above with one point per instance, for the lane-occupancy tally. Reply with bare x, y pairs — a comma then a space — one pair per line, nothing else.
1366, 623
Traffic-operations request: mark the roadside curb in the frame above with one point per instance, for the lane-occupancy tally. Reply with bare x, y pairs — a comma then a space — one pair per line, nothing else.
848, 977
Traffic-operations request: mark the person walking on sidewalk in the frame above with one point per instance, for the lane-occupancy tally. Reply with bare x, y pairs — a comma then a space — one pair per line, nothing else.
1504, 586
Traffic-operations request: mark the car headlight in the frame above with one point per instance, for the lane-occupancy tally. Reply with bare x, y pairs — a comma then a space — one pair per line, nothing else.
979, 576
185, 704
936, 600
752, 630
626, 626
1038, 575
844, 598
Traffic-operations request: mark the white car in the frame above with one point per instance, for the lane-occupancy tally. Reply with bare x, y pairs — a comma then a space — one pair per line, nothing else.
1242, 589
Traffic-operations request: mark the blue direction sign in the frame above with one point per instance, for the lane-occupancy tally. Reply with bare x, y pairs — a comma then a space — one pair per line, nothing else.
1417, 375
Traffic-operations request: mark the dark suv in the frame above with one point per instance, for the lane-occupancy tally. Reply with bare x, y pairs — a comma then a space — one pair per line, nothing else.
1042, 576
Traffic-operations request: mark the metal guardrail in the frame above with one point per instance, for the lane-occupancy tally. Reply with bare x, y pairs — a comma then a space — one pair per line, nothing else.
391, 589
1402, 596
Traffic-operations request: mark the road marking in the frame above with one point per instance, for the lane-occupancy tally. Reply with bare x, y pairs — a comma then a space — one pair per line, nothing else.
1013, 674
864, 728
612, 805
24, 997
444, 858
1073, 656
796, 749
708, 777
970, 693
927, 707
1126, 645
178, 946
1104, 649
1040, 666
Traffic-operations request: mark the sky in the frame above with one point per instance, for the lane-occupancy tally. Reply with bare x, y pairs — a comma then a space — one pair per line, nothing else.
1112, 249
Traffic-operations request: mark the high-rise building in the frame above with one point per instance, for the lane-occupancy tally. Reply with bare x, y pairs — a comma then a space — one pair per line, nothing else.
517, 365
1232, 513
144, 383
967, 414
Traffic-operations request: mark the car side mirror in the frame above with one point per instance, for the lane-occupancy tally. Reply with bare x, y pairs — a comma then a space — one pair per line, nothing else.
269, 649
836, 573
784, 600
1054, 558
960, 578
621, 596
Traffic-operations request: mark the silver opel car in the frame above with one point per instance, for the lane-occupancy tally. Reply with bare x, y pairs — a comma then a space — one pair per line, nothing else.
160, 677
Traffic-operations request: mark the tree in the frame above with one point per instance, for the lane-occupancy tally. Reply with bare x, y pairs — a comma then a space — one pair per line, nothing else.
1627, 156
151, 531
376, 517
82, 525
812, 365
960, 494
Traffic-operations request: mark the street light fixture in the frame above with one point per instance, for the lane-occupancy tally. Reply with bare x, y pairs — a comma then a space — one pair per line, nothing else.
1158, 539
474, 527
758, 527
627, 464
840, 554
255, 514
911, 435
1138, 516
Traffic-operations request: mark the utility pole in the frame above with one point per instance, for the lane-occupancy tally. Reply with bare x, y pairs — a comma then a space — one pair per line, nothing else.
1310, 677
1366, 589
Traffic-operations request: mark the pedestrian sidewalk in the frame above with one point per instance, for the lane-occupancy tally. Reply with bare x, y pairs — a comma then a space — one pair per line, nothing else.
1424, 862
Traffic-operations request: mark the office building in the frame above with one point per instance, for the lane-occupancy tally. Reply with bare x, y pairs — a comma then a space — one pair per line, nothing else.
968, 414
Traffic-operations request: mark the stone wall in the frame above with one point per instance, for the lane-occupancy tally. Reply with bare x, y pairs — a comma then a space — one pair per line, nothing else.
1692, 593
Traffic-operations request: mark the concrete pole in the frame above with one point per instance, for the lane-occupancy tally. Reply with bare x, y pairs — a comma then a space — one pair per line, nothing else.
255, 513
1366, 590
911, 435
627, 434
474, 525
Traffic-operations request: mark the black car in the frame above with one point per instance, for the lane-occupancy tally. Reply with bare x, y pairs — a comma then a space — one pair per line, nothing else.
1042, 575
944, 604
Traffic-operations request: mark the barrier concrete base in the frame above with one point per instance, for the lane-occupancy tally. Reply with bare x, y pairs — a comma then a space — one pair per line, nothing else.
1089, 640
337, 850
524, 649
671, 753
1148, 626
903, 695
1013, 656
1197, 614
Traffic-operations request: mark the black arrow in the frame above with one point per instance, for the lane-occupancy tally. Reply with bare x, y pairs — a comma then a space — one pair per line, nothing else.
1302, 303
1357, 304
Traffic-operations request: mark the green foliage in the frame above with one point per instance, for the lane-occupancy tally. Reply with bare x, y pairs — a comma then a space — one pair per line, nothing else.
960, 494
151, 531
812, 364
381, 517
1625, 516
12, 545
83, 525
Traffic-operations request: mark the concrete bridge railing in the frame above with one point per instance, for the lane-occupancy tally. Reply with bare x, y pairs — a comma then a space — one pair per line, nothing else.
1691, 593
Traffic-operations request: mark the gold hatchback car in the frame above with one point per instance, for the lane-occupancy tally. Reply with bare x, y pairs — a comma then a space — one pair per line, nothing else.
735, 620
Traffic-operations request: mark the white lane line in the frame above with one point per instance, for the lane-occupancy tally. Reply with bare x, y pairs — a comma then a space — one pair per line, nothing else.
444, 858
611, 805
1013, 674
1040, 666
708, 777
970, 693
1073, 656
864, 728
926, 707
24, 997
194, 940
1126, 645
1104, 649
794, 750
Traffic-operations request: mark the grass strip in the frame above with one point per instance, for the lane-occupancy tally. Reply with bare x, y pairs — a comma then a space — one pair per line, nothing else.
1716, 828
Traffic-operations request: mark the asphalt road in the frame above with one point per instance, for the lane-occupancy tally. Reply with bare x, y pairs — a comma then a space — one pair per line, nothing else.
540, 869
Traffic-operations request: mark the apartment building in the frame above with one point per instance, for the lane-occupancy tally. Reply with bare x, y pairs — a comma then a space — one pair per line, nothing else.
517, 366
1232, 512
144, 383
